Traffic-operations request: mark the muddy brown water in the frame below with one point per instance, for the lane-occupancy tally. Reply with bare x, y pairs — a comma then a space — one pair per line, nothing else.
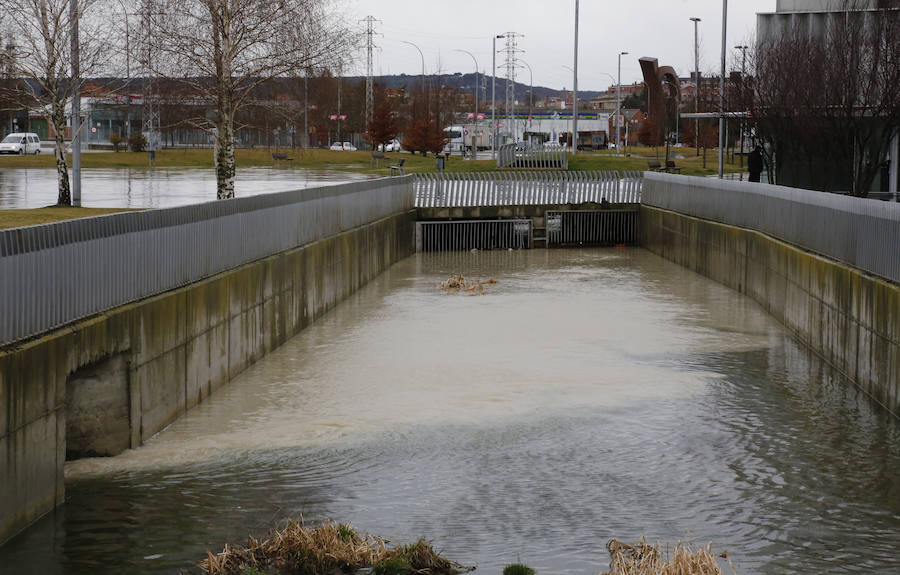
590, 394
157, 187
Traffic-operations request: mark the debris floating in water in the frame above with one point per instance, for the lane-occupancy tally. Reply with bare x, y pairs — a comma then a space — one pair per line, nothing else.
645, 559
329, 548
458, 284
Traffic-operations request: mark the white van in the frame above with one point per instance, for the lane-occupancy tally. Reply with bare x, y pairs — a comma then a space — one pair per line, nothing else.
21, 143
456, 140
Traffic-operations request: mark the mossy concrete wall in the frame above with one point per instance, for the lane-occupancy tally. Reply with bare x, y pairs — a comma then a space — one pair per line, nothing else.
179, 347
850, 318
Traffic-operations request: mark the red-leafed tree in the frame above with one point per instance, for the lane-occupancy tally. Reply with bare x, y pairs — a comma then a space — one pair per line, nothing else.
384, 126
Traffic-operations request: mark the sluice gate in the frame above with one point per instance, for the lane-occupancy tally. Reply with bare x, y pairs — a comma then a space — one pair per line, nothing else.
452, 236
461, 212
592, 228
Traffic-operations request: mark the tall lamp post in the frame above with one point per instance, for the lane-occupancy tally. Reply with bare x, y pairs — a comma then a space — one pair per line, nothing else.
423, 61
127, 69
575, 88
530, 92
75, 197
494, 99
743, 49
618, 115
722, 92
475, 135
574, 105
696, 85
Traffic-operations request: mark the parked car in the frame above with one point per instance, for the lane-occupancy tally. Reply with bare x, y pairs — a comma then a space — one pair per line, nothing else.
21, 143
337, 146
393, 146
348, 147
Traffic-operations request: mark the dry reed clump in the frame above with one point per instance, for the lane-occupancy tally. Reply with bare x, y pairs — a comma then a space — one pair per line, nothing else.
458, 284
422, 558
645, 559
329, 548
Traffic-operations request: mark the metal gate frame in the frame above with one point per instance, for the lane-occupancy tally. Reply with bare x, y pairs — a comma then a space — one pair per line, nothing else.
552, 216
516, 222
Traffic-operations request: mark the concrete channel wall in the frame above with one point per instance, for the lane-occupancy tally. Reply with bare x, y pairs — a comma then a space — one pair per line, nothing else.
848, 316
111, 381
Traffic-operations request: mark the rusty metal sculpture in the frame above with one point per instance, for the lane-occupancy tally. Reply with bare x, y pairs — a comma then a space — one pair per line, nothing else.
662, 84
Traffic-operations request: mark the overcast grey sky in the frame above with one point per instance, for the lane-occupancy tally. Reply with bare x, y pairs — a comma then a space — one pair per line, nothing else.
657, 28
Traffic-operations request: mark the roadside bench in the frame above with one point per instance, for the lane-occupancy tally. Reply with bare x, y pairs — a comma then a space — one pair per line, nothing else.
397, 169
654, 165
281, 156
671, 167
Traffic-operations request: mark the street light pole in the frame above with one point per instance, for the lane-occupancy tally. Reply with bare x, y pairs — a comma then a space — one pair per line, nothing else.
475, 135
423, 61
619, 105
575, 89
722, 92
743, 49
530, 92
696, 86
75, 188
571, 69
494, 100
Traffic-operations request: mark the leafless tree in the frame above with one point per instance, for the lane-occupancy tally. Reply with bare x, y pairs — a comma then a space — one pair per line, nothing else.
225, 49
827, 104
40, 64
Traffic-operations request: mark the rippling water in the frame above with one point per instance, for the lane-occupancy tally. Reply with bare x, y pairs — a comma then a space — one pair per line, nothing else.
588, 395
156, 188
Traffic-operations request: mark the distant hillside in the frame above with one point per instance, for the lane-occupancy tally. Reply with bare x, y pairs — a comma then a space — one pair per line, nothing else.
463, 83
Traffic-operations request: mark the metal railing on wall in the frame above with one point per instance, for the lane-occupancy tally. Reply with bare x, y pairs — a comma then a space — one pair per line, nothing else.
533, 158
53, 274
450, 190
859, 232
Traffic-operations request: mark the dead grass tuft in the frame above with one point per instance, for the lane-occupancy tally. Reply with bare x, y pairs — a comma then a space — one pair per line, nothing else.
329, 548
645, 559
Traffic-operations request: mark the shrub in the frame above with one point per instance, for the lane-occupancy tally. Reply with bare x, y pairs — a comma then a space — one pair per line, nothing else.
518, 569
116, 141
137, 142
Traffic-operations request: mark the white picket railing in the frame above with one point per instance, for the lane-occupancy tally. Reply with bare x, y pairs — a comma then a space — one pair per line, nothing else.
449, 190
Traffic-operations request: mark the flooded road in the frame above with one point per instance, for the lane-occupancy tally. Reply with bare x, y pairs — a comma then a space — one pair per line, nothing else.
156, 188
589, 395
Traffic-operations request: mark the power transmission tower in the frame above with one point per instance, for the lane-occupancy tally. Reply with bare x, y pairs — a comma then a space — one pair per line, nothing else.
151, 123
511, 50
370, 68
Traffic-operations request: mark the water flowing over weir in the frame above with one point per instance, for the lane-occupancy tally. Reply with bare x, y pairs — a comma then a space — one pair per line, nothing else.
587, 395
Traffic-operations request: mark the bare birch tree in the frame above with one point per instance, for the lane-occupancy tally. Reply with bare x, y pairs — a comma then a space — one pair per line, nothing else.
226, 49
40, 64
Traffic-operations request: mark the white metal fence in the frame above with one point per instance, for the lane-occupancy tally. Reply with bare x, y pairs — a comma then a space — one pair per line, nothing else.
859, 232
529, 158
53, 274
449, 190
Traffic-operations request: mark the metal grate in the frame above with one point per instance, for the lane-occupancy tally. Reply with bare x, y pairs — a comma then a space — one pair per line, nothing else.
533, 158
449, 190
473, 235
597, 228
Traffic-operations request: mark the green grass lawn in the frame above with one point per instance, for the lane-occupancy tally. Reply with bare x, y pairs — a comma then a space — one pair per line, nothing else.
33, 217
